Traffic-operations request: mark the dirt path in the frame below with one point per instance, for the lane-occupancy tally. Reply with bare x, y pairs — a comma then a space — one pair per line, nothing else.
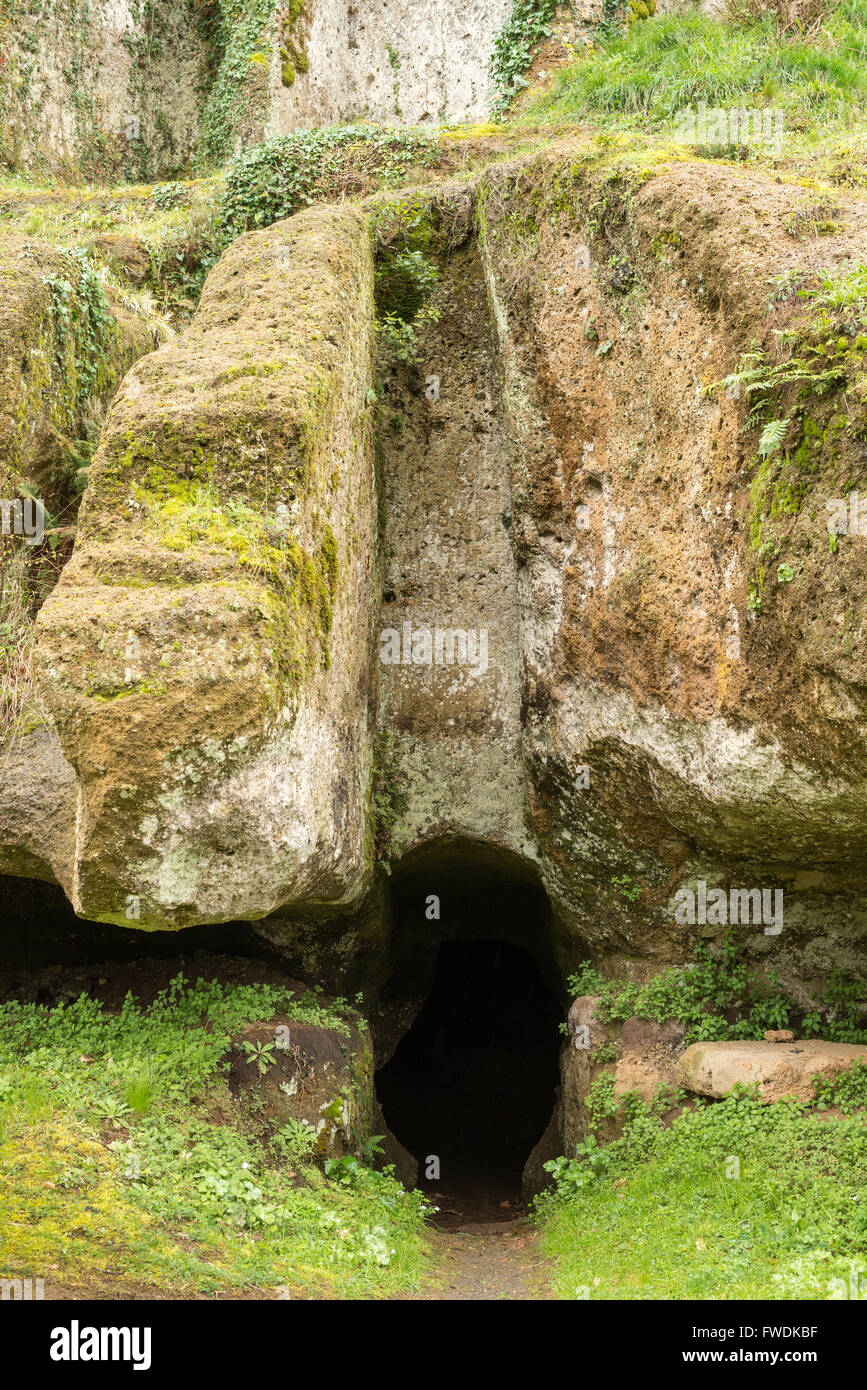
490, 1261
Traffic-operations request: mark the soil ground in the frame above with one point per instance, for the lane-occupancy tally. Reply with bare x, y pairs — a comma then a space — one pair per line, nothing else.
488, 1262
485, 1249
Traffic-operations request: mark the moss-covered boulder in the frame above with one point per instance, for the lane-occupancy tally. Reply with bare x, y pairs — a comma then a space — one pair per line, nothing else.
206, 654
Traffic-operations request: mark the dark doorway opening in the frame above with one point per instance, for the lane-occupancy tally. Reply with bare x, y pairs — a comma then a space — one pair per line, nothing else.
473, 1082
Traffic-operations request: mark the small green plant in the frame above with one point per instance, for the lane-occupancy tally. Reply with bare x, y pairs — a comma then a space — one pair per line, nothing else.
112, 1110
395, 65
758, 377
139, 1095
399, 339
846, 1092
601, 1102
83, 323
346, 1171
814, 359
371, 1148
261, 1054
627, 887
611, 24
773, 436
168, 195
296, 1142
405, 281
572, 1175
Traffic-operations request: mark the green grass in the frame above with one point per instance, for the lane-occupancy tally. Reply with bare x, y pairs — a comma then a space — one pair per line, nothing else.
124, 1159
174, 223
664, 64
661, 1214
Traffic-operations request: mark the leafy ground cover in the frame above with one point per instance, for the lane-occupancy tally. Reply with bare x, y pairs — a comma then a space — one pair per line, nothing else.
124, 1157
734, 1199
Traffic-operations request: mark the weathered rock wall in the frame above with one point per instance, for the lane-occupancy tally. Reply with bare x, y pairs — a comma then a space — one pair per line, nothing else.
554, 471
99, 89
398, 61
675, 728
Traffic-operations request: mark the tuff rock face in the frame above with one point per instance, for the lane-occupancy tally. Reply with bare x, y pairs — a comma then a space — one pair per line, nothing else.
388, 60
687, 717
651, 665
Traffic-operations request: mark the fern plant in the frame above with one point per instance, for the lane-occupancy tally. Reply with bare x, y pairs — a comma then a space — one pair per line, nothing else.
773, 436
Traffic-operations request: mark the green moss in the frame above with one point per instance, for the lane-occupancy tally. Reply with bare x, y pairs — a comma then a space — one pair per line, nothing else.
329, 560
811, 441
103, 693
670, 237
256, 369
293, 590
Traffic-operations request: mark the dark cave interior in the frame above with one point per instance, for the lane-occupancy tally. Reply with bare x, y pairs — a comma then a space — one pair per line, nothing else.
473, 1081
